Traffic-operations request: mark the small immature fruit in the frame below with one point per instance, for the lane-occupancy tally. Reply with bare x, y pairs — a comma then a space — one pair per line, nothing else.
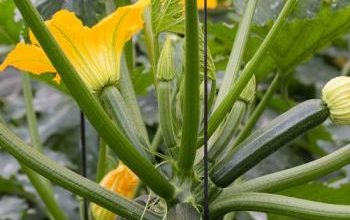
268, 139
336, 94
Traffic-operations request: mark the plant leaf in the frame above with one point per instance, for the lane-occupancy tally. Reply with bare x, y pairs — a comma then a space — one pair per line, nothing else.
9, 28
167, 15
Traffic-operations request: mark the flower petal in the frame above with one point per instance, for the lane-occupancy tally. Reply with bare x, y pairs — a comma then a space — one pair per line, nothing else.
120, 180
110, 35
29, 58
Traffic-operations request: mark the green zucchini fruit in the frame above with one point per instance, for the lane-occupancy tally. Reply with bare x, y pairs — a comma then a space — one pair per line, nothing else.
268, 139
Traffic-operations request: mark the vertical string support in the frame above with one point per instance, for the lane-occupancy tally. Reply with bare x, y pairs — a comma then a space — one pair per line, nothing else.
83, 169
205, 161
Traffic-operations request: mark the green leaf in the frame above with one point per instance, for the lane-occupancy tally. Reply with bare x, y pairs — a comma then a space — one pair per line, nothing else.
9, 29
167, 15
300, 39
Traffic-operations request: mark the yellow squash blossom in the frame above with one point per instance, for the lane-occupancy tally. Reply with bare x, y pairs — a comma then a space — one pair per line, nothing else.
121, 181
94, 52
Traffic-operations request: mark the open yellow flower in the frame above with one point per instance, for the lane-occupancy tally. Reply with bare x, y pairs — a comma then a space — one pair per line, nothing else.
121, 181
94, 52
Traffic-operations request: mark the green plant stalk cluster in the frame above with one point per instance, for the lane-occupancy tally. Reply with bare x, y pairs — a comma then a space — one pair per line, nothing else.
91, 108
131, 145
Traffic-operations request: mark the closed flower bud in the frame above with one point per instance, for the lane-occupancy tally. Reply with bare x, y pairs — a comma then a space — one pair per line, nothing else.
121, 181
336, 94
166, 68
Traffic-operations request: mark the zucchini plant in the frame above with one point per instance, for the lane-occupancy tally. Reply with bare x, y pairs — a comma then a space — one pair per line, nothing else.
164, 177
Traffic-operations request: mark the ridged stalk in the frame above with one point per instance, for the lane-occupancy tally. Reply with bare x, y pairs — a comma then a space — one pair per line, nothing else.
283, 205
294, 176
191, 109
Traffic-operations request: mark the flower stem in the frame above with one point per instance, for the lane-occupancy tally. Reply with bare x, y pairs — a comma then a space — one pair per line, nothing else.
101, 163
69, 179
228, 130
31, 117
248, 127
234, 92
191, 101
157, 139
151, 41
91, 108
41, 185
294, 176
278, 204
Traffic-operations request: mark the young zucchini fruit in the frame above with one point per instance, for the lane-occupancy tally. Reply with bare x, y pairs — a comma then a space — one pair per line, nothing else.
335, 104
268, 139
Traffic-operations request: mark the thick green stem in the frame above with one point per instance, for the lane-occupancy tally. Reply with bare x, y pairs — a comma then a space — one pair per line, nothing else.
237, 51
283, 205
41, 185
128, 93
191, 91
69, 179
248, 127
234, 92
91, 108
294, 176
